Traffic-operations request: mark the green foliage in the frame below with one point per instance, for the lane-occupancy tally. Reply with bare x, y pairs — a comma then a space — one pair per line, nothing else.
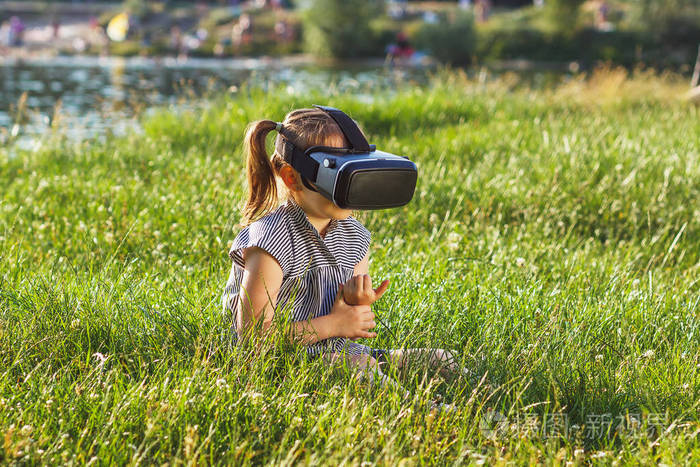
551, 242
452, 40
136, 8
587, 46
563, 15
674, 23
342, 28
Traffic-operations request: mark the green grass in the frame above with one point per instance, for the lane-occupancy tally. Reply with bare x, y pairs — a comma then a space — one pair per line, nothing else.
553, 242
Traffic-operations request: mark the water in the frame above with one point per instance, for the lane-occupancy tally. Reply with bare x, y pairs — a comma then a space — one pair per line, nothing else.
88, 97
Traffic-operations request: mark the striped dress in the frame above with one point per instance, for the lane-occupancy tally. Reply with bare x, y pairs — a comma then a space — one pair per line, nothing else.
312, 267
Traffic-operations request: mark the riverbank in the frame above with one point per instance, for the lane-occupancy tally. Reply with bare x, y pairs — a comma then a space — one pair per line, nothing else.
250, 30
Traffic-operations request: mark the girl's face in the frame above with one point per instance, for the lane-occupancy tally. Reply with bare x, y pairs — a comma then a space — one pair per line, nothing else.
314, 204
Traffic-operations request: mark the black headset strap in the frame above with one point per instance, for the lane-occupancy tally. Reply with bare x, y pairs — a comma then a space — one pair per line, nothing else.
357, 140
304, 164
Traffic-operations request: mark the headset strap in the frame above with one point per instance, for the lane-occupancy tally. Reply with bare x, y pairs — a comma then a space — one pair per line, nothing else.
357, 140
304, 164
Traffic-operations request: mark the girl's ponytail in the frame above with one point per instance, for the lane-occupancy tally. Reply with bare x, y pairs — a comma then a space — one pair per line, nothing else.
309, 127
262, 186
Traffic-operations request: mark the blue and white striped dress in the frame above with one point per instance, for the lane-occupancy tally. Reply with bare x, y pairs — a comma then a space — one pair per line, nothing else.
312, 267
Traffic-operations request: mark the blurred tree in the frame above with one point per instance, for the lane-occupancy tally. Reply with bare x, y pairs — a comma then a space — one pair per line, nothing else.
563, 15
341, 28
136, 8
451, 40
673, 21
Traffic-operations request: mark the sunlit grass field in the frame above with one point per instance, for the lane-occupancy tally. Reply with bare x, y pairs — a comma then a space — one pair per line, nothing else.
553, 242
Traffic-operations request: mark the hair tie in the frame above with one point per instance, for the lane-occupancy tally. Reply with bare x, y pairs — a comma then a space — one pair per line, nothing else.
278, 127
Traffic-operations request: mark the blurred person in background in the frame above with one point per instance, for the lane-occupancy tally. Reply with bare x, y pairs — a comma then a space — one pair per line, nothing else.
16, 32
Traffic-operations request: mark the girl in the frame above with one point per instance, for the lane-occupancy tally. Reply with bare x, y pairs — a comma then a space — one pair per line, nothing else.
309, 253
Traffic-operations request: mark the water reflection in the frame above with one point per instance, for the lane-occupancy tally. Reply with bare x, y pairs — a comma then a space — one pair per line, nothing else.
97, 95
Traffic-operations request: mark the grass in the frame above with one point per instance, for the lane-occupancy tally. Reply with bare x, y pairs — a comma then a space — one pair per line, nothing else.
552, 242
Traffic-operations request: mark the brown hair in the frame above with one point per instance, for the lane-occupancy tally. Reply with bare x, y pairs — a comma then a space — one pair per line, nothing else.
304, 128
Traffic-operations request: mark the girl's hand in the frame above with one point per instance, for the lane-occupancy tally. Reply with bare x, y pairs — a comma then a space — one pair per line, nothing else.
352, 321
358, 290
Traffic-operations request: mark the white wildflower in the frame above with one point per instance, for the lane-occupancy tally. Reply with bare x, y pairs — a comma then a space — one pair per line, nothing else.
520, 262
99, 357
453, 240
221, 383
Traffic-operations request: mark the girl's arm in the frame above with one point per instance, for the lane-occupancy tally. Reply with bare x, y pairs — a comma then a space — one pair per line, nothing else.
262, 279
261, 282
363, 266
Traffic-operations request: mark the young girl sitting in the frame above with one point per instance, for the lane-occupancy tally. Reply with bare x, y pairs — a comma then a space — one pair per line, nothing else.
309, 253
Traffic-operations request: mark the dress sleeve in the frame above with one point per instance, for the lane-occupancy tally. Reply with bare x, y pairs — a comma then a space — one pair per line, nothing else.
365, 239
269, 235
359, 237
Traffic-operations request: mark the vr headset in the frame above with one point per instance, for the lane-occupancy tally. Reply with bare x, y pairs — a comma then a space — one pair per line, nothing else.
356, 177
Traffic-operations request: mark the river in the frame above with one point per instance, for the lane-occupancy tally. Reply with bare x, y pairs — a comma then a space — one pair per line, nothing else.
85, 97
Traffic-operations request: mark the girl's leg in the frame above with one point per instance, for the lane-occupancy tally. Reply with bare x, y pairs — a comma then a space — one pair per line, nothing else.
442, 360
367, 368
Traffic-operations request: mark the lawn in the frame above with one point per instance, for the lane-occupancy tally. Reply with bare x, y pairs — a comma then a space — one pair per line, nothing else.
553, 242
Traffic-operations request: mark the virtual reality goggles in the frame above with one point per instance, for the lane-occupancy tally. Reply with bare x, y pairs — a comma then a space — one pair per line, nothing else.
356, 177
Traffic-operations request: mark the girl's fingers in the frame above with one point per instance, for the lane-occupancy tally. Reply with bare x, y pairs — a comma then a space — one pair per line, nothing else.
366, 282
379, 291
359, 283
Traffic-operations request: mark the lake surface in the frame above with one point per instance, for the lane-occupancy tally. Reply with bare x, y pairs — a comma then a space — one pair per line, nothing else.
90, 96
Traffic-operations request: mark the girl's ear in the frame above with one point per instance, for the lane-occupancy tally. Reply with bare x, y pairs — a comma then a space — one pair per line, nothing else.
290, 177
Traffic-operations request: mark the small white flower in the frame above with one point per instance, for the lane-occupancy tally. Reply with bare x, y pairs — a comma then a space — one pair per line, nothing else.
520, 262
255, 395
26, 430
599, 357
648, 354
434, 218
453, 241
75, 323
221, 383
99, 357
